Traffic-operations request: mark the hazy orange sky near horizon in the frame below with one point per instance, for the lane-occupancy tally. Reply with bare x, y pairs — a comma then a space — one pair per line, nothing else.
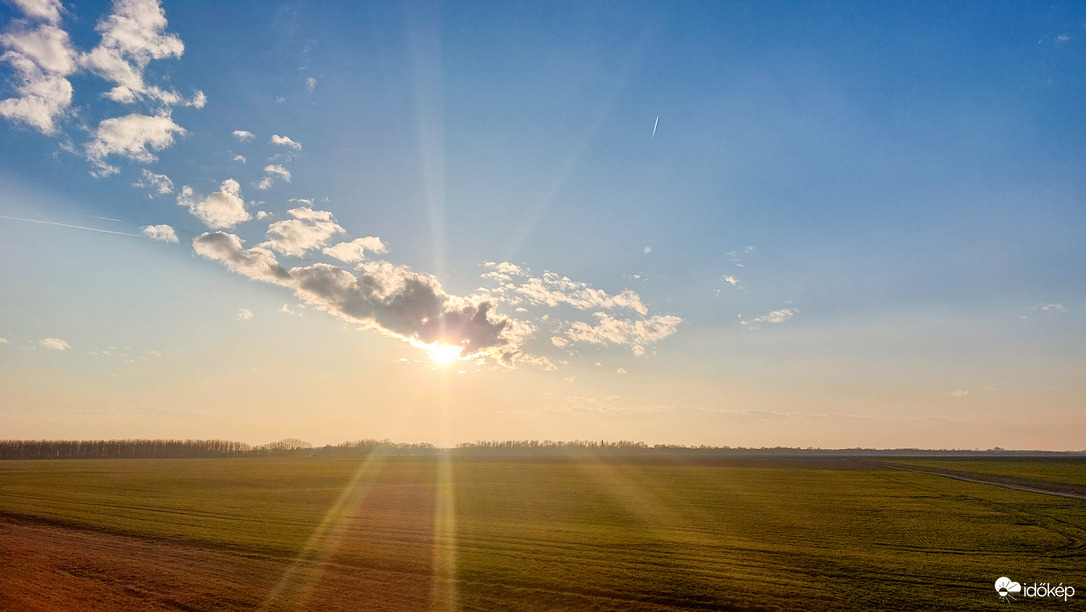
832, 225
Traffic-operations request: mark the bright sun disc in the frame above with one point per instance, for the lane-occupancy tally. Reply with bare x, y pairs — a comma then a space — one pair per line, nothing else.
444, 353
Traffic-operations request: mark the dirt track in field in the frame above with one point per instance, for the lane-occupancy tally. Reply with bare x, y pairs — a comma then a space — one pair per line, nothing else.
1032, 485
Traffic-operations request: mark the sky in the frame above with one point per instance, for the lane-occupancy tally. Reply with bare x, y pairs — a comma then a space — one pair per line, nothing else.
823, 224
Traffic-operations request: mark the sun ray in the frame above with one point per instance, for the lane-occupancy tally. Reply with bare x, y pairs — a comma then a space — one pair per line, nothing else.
306, 564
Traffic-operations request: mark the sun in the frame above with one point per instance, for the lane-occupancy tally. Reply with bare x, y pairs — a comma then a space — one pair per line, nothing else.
445, 353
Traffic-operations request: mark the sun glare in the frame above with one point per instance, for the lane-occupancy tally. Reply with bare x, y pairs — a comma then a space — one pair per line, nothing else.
445, 353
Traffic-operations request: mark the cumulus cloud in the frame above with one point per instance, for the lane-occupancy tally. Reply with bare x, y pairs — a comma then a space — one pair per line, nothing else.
731, 280
283, 141
355, 250
221, 210
163, 232
42, 57
309, 229
133, 137
43, 10
159, 184
380, 296
47, 46
244, 314
55, 344
257, 263
133, 35
515, 284
271, 171
244, 135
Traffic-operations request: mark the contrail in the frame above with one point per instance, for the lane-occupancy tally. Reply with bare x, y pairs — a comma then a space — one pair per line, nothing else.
654, 128
89, 229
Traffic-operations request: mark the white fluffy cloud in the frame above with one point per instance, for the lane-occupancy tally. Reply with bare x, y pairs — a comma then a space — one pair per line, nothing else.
42, 57
132, 136
283, 141
355, 250
309, 229
244, 135
163, 232
222, 209
55, 344
47, 46
244, 314
133, 35
44, 10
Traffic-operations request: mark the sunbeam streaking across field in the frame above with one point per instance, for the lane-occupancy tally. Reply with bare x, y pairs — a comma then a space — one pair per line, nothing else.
322, 542
444, 593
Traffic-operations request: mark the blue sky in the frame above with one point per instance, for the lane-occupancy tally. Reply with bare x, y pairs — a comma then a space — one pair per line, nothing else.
747, 224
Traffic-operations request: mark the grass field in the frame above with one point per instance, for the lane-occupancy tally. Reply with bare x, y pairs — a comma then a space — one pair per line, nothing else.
440, 533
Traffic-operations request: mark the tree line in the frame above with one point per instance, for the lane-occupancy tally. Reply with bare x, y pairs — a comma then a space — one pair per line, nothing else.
294, 447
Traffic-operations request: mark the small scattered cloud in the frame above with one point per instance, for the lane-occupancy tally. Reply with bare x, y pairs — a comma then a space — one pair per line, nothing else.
311, 83
731, 280
283, 141
634, 334
309, 229
1057, 307
244, 314
163, 232
240, 158
776, 316
355, 250
55, 344
222, 209
516, 284
244, 135
3, 340
271, 172
621, 371
159, 184
133, 137
959, 392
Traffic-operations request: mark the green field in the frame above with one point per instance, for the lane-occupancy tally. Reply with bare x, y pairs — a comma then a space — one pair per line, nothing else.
535, 534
